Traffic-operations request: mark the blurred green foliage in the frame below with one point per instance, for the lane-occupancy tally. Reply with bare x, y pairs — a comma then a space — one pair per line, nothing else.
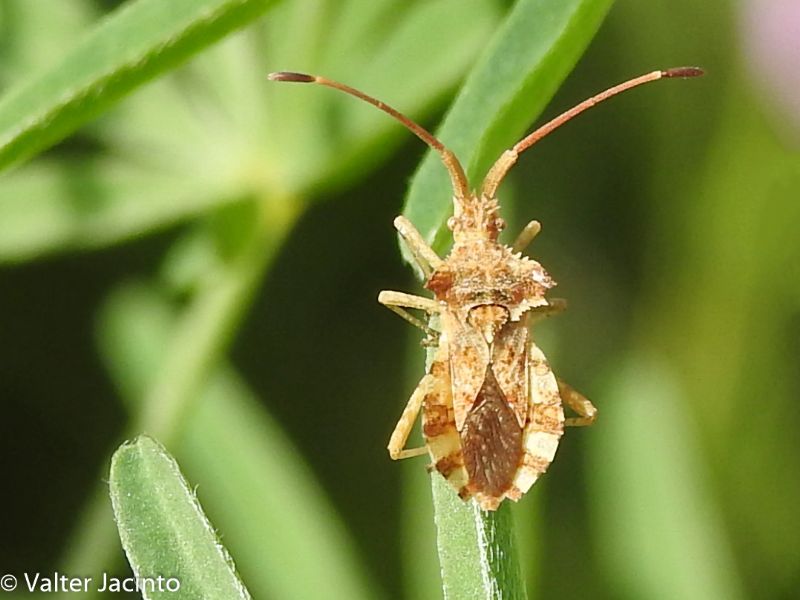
201, 260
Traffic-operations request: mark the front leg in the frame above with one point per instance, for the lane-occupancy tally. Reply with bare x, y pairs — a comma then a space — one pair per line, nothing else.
579, 403
423, 254
397, 302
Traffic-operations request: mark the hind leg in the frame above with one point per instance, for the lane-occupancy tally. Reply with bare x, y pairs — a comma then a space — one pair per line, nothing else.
404, 426
579, 403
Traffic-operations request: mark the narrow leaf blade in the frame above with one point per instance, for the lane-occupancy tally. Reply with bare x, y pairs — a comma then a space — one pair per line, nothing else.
662, 531
135, 44
48, 206
287, 536
163, 528
523, 66
477, 549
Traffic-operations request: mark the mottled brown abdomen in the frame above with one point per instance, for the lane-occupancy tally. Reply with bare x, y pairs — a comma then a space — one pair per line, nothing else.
492, 441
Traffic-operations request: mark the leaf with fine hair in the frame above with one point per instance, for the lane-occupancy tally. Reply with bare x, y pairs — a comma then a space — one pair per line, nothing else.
285, 533
163, 529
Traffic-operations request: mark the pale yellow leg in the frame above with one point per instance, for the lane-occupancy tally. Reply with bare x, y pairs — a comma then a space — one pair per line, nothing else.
579, 403
406, 423
396, 301
426, 258
525, 237
391, 298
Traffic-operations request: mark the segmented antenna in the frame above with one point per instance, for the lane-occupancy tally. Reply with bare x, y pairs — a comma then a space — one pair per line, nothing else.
510, 156
454, 168
499, 170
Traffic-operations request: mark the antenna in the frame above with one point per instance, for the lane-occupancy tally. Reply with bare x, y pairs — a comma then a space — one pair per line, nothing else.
454, 168
510, 156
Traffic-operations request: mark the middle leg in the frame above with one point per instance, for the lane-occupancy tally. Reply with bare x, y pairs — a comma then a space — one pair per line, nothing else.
553, 307
525, 237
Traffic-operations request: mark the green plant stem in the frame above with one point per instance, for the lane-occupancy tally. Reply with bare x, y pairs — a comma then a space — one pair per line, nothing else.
477, 551
203, 335
531, 53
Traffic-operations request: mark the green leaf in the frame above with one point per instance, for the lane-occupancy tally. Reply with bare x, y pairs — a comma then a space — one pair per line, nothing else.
360, 29
419, 60
287, 537
219, 141
477, 550
50, 206
661, 532
136, 43
24, 48
521, 69
163, 528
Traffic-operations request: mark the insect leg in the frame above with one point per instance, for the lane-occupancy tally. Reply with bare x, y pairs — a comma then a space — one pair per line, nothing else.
406, 423
526, 236
554, 306
580, 404
398, 301
426, 258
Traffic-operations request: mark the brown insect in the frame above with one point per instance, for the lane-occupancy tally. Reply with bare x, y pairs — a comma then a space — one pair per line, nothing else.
492, 409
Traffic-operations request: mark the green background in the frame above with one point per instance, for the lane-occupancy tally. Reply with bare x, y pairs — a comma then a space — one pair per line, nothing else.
126, 304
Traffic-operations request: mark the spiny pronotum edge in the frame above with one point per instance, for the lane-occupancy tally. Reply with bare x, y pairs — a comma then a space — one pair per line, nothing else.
492, 412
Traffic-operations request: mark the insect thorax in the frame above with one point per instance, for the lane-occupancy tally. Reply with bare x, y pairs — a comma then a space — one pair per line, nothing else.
480, 272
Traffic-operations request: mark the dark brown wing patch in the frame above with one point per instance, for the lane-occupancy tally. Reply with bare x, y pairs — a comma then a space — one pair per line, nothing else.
491, 441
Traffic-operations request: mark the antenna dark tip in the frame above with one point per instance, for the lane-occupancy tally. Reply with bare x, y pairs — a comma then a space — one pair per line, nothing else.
683, 72
292, 77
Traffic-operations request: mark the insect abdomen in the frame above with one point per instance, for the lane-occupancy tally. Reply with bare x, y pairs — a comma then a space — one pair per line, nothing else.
439, 428
492, 442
